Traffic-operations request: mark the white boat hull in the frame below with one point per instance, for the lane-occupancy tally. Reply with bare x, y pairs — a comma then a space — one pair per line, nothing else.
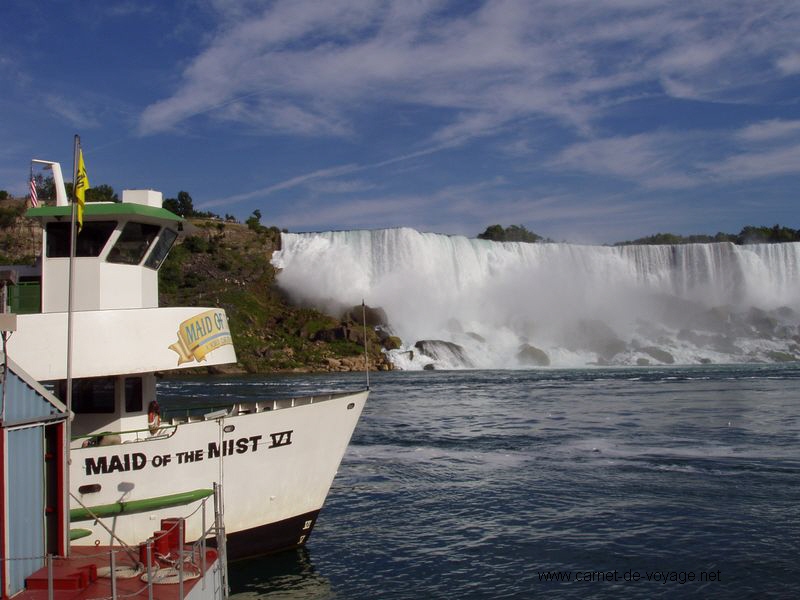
275, 466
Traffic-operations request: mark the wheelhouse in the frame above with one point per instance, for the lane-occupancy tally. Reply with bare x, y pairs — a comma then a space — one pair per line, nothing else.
118, 252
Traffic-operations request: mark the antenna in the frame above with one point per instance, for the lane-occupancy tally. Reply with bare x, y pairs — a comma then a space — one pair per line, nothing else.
366, 354
58, 180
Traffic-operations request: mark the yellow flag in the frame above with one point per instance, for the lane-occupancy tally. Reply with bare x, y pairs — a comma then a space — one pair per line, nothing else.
81, 185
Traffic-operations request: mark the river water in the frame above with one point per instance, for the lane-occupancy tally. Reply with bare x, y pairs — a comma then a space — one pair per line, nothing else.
635, 482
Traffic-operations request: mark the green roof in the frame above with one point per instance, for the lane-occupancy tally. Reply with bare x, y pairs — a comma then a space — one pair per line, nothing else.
106, 209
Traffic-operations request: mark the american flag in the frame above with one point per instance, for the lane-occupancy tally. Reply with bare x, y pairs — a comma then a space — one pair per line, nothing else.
34, 196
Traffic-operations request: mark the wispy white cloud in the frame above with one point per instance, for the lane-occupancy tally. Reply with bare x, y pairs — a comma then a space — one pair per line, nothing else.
769, 162
442, 210
347, 186
286, 117
500, 62
494, 70
653, 160
126, 8
670, 160
71, 111
284, 185
789, 63
770, 130
762, 149
322, 177
361, 213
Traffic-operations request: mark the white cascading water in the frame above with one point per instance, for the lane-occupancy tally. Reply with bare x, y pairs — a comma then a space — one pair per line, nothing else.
577, 305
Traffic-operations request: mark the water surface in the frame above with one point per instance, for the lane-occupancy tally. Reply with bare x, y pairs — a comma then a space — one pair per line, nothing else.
482, 484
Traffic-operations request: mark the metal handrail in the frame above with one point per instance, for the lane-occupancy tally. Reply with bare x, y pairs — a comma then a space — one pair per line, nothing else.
216, 529
124, 431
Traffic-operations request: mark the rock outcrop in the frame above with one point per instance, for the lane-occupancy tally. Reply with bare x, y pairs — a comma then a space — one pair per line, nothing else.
446, 353
532, 356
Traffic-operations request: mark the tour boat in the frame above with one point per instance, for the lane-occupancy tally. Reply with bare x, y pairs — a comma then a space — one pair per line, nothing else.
36, 560
90, 316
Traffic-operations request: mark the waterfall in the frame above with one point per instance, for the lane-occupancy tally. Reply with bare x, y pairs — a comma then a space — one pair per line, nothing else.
502, 304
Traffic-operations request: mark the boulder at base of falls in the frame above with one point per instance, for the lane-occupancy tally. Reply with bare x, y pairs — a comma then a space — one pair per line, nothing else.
342, 332
595, 336
762, 322
387, 340
660, 355
717, 319
448, 353
391, 342
716, 342
777, 356
532, 356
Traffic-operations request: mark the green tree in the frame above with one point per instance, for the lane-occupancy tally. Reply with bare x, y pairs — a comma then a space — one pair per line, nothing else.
171, 204
725, 237
45, 188
3, 195
749, 234
254, 221
782, 234
512, 233
101, 193
181, 206
495, 233
754, 235
185, 204
518, 233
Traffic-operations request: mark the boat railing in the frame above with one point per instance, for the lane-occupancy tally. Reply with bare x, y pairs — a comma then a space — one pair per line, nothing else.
148, 562
206, 412
112, 438
193, 555
172, 417
195, 552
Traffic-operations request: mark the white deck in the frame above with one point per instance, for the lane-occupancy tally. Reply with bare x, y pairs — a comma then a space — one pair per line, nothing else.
108, 342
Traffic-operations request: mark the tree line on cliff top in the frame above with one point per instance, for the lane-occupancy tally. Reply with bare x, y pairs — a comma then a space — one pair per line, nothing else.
748, 235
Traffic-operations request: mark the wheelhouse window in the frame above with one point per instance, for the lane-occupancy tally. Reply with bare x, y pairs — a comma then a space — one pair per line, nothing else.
133, 394
163, 244
132, 244
90, 241
90, 395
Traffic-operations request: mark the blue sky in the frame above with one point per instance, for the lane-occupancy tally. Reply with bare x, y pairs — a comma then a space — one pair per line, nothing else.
584, 120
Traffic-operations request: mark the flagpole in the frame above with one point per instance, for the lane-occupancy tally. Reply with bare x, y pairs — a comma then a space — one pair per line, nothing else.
70, 302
